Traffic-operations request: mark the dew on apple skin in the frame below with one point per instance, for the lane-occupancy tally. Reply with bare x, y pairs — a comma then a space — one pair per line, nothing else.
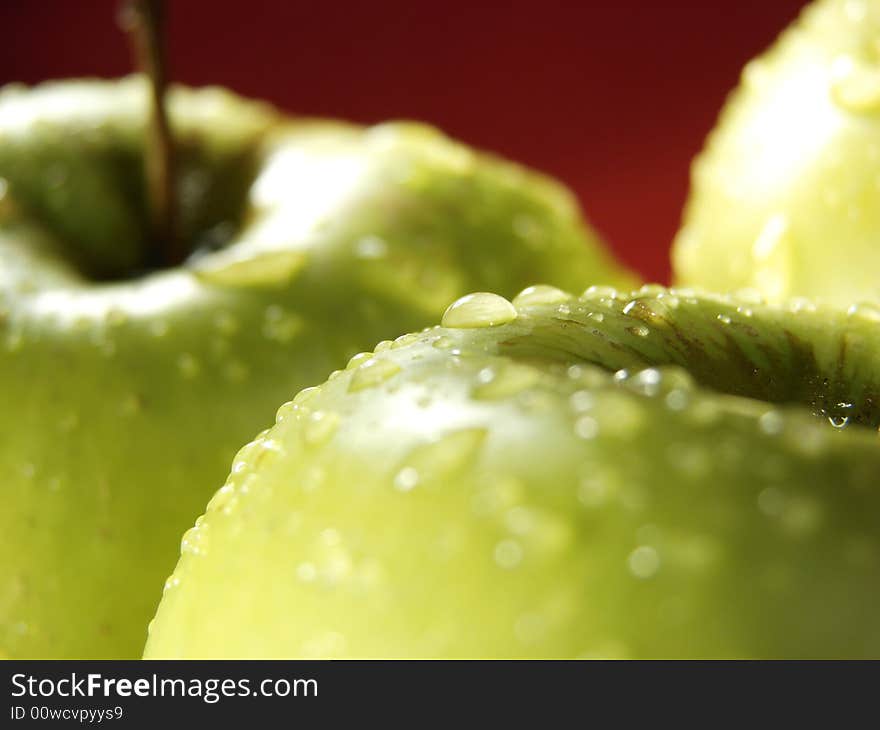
639, 331
443, 343
438, 461
723, 318
865, 310
358, 359
855, 85
372, 372
600, 292
371, 248
540, 294
643, 562
280, 325
771, 423
479, 310
406, 479
586, 427
507, 380
320, 427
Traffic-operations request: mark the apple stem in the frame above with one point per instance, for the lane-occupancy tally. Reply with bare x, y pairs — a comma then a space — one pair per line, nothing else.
143, 20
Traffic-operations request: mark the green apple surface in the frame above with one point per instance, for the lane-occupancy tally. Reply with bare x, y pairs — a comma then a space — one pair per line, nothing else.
651, 475
126, 388
785, 198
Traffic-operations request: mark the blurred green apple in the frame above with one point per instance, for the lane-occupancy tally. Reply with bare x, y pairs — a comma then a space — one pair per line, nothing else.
785, 198
651, 475
126, 387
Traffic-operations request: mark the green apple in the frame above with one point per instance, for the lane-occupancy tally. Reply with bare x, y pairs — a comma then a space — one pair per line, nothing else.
785, 198
126, 387
651, 475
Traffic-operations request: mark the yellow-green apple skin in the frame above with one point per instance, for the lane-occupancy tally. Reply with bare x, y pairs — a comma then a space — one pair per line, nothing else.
785, 198
651, 475
124, 395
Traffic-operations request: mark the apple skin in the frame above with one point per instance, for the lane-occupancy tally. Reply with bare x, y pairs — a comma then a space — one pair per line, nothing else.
784, 196
506, 491
125, 397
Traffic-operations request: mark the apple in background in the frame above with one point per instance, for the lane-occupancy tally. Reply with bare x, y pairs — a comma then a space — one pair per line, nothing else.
126, 387
659, 474
785, 197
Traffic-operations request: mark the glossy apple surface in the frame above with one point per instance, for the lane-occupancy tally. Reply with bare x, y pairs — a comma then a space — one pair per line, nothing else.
125, 393
649, 475
784, 198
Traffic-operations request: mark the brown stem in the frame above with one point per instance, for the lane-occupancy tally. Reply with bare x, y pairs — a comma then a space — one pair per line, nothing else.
143, 20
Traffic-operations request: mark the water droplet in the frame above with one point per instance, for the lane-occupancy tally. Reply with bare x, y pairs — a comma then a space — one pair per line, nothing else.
838, 421
646, 382
643, 562
597, 316
507, 380
855, 85
235, 267
723, 318
371, 373
450, 454
771, 423
188, 365
443, 343
586, 427
540, 294
582, 400
479, 310
508, 554
600, 292
371, 247
677, 399
358, 360
406, 479
771, 257
320, 427
865, 310
640, 331
280, 325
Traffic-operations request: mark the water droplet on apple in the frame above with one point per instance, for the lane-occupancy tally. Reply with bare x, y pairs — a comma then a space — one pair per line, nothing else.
855, 85
479, 310
643, 562
865, 310
233, 267
507, 380
371, 373
371, 247
281, 325
540, 294
320, 427
406, 479
639, 331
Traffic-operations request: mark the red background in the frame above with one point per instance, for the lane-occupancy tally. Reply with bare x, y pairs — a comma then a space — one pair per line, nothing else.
615, 98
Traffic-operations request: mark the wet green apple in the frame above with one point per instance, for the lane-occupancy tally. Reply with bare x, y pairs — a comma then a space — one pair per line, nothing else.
785, 197
661, 474
126, 387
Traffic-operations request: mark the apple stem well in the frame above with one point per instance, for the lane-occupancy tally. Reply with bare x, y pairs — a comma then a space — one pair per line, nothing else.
143, 21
